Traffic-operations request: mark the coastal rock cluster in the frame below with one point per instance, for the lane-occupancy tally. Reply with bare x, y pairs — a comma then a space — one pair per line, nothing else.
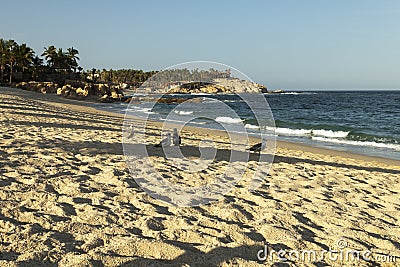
76, 90
241, 86
114, 93
40, 87
220, 86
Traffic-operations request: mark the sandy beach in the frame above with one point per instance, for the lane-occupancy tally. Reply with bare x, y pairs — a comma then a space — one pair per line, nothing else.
67, 198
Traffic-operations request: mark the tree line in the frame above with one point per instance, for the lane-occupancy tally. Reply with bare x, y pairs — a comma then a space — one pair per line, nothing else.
137, 77
55, 64
19, 62
131, 77
20, 58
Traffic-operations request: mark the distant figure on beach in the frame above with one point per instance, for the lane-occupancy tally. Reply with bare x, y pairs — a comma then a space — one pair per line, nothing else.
131, 131
259, 147
176, 138
165, 142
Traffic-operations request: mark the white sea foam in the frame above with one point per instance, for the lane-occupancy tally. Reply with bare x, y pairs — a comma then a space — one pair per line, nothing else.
330, 133
232, 101
200, 94
357, 143
228, 120
309, 132
251, 126
145, 110
292, 132
299, 93
139, 110
293, 93
182, 112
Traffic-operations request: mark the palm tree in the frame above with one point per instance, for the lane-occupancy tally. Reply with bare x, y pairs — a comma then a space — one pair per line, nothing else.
37, 63
12, 55
61, 59
24, 56
50, 54
72, 58
3, 57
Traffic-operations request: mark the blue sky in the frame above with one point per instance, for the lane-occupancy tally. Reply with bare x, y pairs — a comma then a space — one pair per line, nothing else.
283, 44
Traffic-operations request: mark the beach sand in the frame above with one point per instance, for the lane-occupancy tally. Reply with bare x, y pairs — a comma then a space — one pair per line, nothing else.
67, 198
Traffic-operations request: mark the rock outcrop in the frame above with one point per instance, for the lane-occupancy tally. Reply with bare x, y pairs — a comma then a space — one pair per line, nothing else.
76, 90
40, 87
113, 93
220, 86
240, 86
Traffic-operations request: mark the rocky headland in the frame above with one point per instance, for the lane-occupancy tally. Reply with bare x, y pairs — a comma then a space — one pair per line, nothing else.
116, 93
219, 86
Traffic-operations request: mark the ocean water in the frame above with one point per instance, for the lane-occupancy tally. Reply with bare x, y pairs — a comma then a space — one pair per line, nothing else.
362, 122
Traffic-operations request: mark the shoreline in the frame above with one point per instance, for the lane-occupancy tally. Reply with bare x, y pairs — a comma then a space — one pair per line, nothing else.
83, 105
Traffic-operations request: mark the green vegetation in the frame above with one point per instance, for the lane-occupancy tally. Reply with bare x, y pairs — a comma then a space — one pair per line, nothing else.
129, 76
57, 59
192, 75
19, 63
136, 77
